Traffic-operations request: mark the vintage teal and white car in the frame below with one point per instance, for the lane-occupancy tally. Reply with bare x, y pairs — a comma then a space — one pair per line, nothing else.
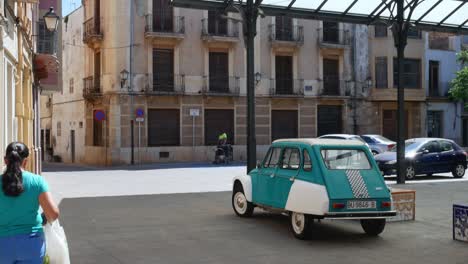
316, 179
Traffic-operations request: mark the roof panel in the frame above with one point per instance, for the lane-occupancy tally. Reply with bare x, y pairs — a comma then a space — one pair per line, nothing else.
359, 13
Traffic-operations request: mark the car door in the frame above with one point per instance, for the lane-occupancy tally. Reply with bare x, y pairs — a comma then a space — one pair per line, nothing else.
447, 156
428, 160
285, 175
264, 184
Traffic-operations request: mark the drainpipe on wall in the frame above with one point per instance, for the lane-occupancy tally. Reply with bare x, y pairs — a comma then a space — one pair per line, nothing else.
131, 82
354, 76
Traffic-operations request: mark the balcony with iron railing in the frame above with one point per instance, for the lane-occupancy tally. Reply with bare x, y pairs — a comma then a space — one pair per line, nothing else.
332, 38
158, 28
437, 90
286, 36
220, 31
167, 84
333, 86
286, 87
221, 85
92, 31
92, 87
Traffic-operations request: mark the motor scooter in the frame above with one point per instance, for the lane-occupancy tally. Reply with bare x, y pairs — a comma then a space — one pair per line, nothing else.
223, 154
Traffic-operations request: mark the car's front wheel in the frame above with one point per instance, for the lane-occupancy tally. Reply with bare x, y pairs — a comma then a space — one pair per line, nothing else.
373, 227
300, 225
410, 172
374, 152
458, 171
241, 206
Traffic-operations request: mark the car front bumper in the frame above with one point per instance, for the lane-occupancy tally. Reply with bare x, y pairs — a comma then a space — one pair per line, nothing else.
387, 169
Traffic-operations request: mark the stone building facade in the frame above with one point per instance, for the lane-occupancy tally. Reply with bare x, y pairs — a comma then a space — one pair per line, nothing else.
187, 81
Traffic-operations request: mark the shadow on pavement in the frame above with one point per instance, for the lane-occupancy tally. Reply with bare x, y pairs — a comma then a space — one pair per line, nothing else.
62, 167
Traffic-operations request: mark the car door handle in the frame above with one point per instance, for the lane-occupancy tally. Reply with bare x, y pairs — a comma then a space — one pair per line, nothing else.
292, 179
272, 175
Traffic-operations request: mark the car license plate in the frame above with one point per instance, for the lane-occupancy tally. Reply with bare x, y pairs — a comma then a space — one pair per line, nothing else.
361, 205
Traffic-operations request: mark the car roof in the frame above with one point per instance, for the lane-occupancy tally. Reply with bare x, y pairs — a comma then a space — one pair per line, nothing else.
321, 141
428, 139
340, 135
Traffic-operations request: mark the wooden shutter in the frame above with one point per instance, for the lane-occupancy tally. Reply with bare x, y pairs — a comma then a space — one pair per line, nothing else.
329, 120
331, 78
284, 124
163, 127
216, 25
283, 28
381, 80
219, 71
330, 32
163, 70
284, 75
217, 122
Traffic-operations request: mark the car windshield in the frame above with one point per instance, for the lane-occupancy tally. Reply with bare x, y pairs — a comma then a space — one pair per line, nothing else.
381, 139
345, 159
410, 146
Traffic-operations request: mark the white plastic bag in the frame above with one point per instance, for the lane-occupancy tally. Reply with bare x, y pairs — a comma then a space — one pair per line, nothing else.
56, 244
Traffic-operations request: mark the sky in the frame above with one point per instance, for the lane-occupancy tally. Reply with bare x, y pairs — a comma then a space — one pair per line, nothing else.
69, 5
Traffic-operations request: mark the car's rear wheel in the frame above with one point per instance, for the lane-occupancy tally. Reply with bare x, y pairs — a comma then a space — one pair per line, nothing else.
241, 206
373, 227
300, 225
458, 171
410, 173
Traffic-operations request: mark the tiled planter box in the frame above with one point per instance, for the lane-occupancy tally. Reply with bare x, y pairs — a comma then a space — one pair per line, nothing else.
460, 222
404, 203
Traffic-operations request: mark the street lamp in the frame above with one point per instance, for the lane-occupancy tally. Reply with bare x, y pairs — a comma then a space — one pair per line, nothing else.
258, 78
369, 82
123, 77
51, 20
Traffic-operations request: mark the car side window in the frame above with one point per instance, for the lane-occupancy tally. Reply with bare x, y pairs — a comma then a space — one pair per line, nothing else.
432, 147
367, 139
272, 158
446, 146
307, 161
291, 159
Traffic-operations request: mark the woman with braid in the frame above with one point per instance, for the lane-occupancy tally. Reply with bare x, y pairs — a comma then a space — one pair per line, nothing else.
21, 194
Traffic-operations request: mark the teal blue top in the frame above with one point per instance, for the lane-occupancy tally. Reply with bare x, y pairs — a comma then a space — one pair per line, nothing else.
20, 215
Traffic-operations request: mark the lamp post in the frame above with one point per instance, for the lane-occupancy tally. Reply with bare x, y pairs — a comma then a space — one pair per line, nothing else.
123, 78
51, 20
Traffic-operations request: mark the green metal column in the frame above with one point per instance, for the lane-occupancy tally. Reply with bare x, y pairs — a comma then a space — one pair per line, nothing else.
250, 27
400, 42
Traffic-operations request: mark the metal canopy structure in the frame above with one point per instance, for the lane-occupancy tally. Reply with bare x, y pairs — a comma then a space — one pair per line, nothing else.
429, 15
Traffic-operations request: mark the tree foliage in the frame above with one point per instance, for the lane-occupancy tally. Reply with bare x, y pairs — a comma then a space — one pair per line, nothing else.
459, 85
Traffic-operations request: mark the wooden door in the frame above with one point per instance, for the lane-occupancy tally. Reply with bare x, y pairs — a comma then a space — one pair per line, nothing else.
284, 74
162, 16
218, 121
219, 72
331, 77
163, 70
284, 124
329, 120
434, 78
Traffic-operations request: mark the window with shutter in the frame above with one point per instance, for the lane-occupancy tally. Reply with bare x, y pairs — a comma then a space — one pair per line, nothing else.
284, 28
162, 16
218, 121
219, 72
380, 31
381, 72
216, 25
284, 74
163, 70
163, 127
411, 73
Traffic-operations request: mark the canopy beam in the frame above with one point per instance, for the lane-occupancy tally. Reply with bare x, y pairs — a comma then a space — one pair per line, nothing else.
451, 13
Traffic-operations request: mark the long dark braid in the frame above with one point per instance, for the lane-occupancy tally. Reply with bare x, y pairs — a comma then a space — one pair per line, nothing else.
12, 179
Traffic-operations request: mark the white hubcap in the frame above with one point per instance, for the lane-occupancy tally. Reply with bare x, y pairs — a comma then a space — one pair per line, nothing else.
240, 203
410, 172
298, 222
460, 170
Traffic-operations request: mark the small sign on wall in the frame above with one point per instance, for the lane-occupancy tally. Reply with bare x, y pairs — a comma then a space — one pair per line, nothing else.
194, 112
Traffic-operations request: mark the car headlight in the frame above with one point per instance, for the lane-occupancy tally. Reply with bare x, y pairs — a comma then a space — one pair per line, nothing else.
391, 162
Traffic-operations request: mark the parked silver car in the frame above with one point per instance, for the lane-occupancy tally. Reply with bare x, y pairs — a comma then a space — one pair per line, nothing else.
345, 137
378, 144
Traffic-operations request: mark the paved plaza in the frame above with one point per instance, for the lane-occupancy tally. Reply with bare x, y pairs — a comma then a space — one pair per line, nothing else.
177, 214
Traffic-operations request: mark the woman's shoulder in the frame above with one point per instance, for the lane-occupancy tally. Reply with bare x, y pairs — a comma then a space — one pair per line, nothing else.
29, 176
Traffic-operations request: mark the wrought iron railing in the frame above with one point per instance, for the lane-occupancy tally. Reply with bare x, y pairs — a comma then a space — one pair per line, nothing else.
287, 86
221, 85
174, 25
220, 28
92, 28
292, 34
174, 83
437, 89
333, 36
333, 86
92, 87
